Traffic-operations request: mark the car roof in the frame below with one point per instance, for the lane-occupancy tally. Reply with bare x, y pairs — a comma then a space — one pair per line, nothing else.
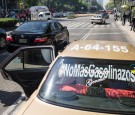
118, 50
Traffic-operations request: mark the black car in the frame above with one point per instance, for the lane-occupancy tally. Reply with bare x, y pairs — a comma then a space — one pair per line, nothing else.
38, 32
2, 38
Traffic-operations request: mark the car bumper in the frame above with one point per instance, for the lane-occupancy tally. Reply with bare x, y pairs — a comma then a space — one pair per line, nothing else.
96, 21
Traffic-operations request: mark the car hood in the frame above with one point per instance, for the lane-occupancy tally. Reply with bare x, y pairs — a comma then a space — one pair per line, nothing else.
37, 107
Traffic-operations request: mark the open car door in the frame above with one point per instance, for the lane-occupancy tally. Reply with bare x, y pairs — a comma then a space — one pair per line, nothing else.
27, 66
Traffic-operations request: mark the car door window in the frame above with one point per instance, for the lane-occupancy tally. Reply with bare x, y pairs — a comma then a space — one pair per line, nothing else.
59, 26
35, 58
52, 27
56, 26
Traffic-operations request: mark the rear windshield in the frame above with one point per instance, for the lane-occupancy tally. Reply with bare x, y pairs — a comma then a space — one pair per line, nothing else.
33, 26
89, 84
98, 16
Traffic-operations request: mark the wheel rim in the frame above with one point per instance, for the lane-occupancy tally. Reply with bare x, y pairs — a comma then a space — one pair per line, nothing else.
2, 42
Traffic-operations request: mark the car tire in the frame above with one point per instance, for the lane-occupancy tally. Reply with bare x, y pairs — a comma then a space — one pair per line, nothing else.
22, 19
2, 42
91, 22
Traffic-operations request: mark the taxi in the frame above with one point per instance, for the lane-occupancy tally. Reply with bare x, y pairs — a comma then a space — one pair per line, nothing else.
90, 77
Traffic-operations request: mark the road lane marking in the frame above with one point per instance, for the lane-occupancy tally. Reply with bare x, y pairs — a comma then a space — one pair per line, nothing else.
90, 25
113, 25
74, 24
105, 33
85, 24
79, 24
96, 26
108, 26
86, 35
102, 26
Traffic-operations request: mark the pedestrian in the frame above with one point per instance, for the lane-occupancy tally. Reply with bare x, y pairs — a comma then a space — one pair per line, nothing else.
133, 24
116, 16
124, 18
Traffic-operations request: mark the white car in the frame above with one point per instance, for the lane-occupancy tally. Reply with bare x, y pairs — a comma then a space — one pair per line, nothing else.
45, 15
99, 18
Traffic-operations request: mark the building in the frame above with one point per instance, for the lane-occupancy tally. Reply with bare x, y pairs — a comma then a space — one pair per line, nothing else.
8, 4
100, 2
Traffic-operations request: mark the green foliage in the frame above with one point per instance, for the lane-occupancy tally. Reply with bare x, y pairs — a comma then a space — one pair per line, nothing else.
71, 16
8, 22
110, 6
59, 5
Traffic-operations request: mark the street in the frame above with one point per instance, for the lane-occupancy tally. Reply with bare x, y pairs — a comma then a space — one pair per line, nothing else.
79, 29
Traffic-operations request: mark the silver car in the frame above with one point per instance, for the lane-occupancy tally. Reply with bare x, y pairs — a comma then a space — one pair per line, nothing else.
99, 18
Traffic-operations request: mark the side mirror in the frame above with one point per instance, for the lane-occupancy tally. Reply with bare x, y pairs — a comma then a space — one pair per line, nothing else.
64, 27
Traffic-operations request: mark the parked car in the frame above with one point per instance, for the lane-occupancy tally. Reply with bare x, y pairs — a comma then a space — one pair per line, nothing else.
58, 15
38, 33
2, 38
45, 15
89, 77
99, 18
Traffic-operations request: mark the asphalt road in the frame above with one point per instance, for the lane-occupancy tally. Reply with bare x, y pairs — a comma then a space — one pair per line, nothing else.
79, 28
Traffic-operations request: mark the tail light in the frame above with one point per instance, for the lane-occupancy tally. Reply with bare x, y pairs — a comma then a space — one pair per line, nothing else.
40, 40
9, 38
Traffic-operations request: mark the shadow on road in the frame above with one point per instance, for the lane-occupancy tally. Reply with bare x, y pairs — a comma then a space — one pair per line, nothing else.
103, 24
9, 98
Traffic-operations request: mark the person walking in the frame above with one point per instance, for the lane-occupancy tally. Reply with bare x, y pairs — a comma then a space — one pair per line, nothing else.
124, 18
133, 24
116, 16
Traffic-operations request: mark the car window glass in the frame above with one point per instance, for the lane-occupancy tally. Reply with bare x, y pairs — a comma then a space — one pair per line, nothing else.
16, 63
47, 13
59, 25
89, 82
35, 58
56, 26
33, 26
52, 27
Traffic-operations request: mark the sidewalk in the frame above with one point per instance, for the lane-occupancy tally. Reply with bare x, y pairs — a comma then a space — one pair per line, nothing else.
127, 28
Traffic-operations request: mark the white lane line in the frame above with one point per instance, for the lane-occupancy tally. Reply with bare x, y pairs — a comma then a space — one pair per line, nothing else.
10, 109
85, 24
113, 25
79, 24
90, 25
96, 26
67, 23
102, 26
75, 24
86, 35
105, 33
108, 26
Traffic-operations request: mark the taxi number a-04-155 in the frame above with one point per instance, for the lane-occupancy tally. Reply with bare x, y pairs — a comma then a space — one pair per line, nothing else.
114, 48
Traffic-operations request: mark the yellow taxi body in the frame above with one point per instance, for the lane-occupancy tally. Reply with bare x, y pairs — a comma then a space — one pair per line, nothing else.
89, 49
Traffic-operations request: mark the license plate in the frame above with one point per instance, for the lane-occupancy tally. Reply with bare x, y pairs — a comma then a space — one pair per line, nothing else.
22, 40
